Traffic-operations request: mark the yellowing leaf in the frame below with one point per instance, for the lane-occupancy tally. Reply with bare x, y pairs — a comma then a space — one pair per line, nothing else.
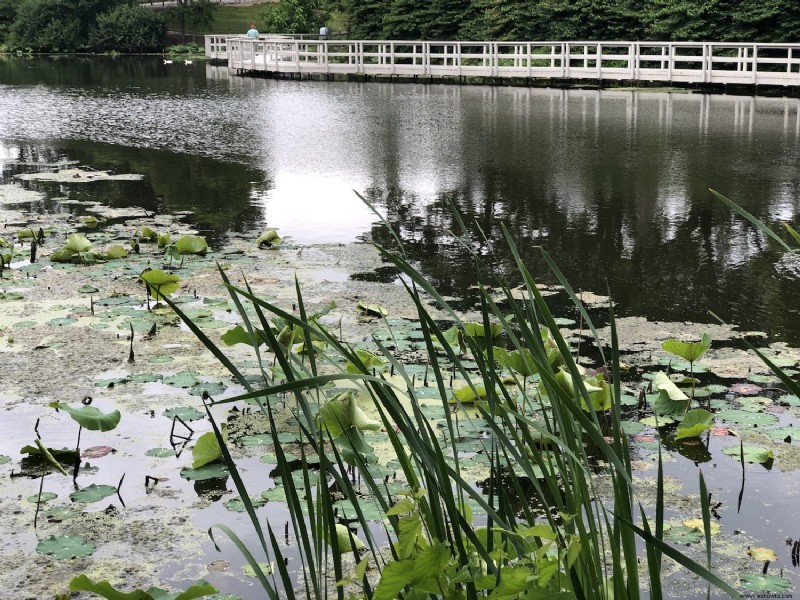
762, 554
698, 524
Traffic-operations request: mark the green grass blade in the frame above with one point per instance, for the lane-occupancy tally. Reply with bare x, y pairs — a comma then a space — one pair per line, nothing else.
753, 219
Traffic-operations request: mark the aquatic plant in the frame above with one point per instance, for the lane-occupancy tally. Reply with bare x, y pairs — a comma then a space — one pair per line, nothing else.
548, 530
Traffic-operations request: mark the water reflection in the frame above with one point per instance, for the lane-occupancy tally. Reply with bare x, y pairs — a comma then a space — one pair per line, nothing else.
614, 184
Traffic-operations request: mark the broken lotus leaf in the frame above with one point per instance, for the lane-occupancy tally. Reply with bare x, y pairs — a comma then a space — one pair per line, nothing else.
341, 414
62, 255
93, 493
159, 283
694, 423
762, 554
752, 454
90, 417
77, 243
191, 244
759, 582
66, 546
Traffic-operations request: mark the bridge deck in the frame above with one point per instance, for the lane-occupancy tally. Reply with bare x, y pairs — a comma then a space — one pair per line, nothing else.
679, 62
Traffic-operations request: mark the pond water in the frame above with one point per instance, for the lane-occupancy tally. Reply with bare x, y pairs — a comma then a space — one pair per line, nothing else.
613, 184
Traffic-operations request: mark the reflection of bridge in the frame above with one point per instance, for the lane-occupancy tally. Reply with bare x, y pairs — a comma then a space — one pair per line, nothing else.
678, 62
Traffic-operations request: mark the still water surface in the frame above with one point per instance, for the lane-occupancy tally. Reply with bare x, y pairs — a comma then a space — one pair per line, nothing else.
614, 184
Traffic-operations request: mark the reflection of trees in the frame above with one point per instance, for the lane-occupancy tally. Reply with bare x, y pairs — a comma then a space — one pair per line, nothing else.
599, 186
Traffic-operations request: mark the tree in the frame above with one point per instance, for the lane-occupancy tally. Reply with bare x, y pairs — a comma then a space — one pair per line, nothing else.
194, 12
295, 16
56, 25
129, 28
8, 13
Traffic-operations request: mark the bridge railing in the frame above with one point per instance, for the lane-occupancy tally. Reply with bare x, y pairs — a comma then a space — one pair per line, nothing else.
688, 62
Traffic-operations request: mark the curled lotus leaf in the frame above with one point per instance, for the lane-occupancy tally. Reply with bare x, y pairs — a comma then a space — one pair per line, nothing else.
341, 413
268, 238
694, 423
90, 417
163, 240
347, 541
689, 351
207, 449
368, 359
66, 546
192, 244
160, 283
149, 234
372, 310
63, 255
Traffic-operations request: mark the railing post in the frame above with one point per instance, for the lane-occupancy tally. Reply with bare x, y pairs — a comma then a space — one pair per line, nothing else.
599, 60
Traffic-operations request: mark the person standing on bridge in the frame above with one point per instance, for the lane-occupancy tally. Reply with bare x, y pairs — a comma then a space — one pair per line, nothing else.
252, 32
323, 33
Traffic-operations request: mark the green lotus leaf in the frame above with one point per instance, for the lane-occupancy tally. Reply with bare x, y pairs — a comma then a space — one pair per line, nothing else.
209, 471
191, 244
266, 569
268, 238
372, 310
752, 454
4, 459
468, 395
66, 546
77, 242
347, 541
160, 452
63, 255
90, 417
341, 414
90, 222
758, 582
694, 423
9, 296
744, 417
212, 388
237, 335
159, 283
369, 360
684, 535
93, 493
149, 234
690, 351
207, 449
599, 393
259, 439
116, 251
476, 330
182, 379
661, 421
163, 240
519, 361
671, 399
57, 514
87, 289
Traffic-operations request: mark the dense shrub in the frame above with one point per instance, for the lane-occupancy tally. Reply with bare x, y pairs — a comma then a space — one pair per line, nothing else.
129, 28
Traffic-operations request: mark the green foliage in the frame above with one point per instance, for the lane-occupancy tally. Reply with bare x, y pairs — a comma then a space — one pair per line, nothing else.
694, 423
295, 16
90, 417
82, 583
192, 244
129, 28
160, 283
65, 547
690, 351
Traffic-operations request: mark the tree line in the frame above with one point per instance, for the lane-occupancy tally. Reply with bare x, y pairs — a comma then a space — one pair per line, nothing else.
125, 26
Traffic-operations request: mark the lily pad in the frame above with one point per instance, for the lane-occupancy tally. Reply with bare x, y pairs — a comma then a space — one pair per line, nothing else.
752, 454
694, 423
192, 244
213, 388
97, 452
57, 514
159, 283
4, 459
209, 471
182, 379
66, 546
41, 499
93, 493
260, 439
236, 504
160, 359
684, 535
87, 289
762, 554
758, 582
184, 413
266, 569
744, 417
160, 452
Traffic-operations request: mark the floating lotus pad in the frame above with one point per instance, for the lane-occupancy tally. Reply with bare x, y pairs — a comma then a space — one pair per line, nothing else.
758, 582
210, 471
237, 505
184, 413
93, 493
66, 546
43, 498
79, 176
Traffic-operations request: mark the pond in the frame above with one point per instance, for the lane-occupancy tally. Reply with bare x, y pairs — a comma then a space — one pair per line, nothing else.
613, 184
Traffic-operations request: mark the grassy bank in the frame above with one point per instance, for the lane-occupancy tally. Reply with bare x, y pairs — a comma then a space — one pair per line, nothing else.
227, 19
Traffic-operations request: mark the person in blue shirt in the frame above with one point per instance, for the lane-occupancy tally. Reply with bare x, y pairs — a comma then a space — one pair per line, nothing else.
252, 32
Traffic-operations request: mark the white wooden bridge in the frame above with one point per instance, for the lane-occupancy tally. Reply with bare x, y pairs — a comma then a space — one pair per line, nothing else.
668, 62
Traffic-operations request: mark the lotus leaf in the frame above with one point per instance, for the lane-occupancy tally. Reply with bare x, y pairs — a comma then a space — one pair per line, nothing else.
347, 541
599, 393
209, 471
261, 439
671, 400
87, 289
467, 394
163, 240
184, 413
237, 335
191, 244
148, 234
90, 222
683, 535
752, 454
341, 414
758, 582
272, 459
277, 494
372, 310
698, 524
61, 321
77, 243
63, 255
82, 583
519, 361
4, 459
10, 296
93, 493
268, 238
266, 569
116, 251
694, 423
237, 505
66, 546
369, 360
42, 498
207, 449
659, 421
57, 514
160, 452
476, 330
90, 417
744, 417
182, 379
690, 351
159, 283
762, 554
97, 452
